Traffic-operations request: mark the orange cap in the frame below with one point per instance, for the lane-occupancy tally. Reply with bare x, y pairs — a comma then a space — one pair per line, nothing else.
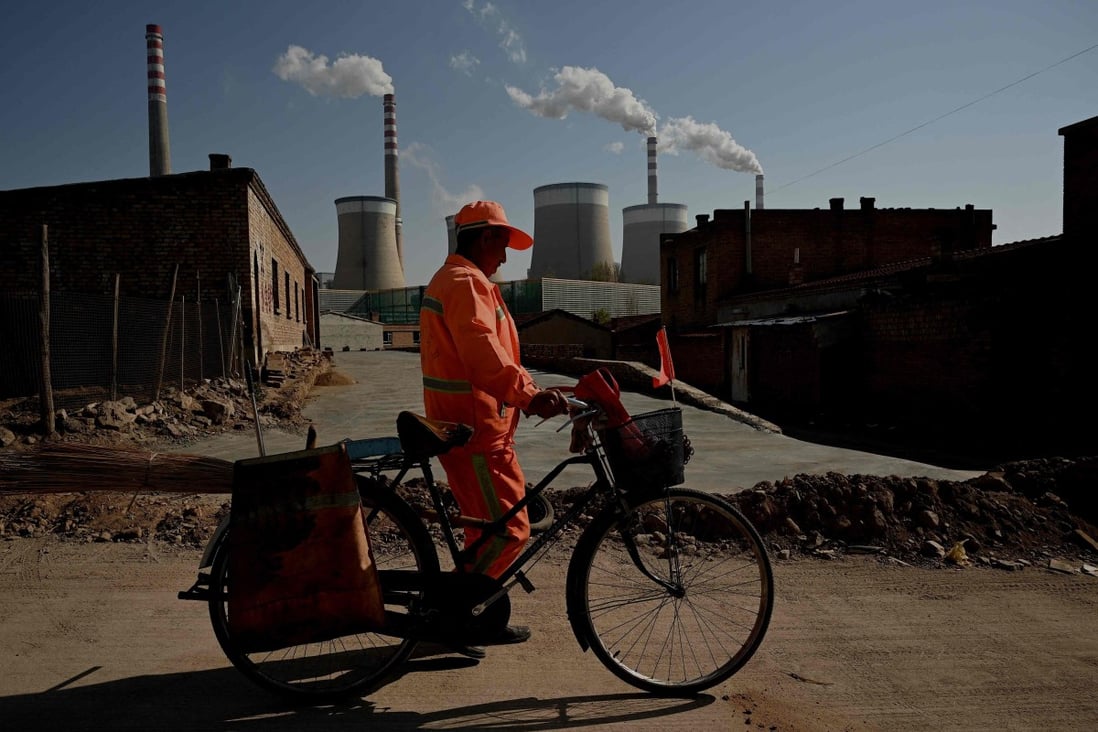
489, 213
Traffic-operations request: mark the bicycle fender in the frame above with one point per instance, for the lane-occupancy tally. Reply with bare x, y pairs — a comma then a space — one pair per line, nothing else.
207, 554
573, 586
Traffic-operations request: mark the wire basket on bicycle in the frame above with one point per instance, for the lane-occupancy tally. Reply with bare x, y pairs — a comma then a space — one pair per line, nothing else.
648, 450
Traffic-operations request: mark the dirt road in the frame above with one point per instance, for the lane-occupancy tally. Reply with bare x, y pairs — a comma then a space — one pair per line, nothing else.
93, 638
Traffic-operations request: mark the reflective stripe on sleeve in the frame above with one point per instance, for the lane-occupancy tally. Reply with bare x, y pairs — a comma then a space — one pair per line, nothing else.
447, 386
432, 304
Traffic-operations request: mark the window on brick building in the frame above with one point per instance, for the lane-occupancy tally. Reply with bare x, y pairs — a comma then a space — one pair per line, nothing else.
297, 307
672, 275
289, 313
700, 274
387, 337
415, 337
274, 284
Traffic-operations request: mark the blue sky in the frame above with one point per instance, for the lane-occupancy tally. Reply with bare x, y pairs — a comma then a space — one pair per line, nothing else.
495, 99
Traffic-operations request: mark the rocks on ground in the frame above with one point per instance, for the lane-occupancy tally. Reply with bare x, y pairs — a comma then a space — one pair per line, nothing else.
215, 405
1036, 512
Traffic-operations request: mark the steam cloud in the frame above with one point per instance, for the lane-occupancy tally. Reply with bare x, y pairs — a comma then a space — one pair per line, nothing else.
590, 90
350, 76
710, 142
510, 41
443, 201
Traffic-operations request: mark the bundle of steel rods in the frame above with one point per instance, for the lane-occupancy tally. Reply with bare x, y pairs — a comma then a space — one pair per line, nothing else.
74, 468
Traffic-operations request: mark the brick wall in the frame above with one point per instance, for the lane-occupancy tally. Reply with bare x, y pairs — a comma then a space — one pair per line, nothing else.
1081, 179
211, 224
828, 243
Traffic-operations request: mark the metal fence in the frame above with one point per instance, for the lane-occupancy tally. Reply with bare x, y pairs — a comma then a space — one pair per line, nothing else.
102, 347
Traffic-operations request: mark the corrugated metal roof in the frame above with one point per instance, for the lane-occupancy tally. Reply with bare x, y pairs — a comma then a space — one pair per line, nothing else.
784, 319
338, 300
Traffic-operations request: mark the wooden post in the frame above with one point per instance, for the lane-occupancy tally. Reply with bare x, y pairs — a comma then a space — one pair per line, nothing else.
114, 342
220, 345
45, 403
182, 339
198, 301
164, 339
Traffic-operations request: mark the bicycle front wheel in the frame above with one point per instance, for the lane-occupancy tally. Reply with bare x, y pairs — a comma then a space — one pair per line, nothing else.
340, 667
674, 595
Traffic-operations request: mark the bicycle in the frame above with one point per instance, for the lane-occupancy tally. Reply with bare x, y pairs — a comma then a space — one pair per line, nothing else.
670, 587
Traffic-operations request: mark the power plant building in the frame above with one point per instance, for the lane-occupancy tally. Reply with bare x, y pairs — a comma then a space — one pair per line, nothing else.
367, 258
572, 232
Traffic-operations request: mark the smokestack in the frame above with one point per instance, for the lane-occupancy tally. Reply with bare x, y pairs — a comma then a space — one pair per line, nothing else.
759, 192
653, 193
392, 174
160, 161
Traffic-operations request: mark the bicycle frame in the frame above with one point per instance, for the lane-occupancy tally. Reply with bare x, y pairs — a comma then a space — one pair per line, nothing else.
604, 485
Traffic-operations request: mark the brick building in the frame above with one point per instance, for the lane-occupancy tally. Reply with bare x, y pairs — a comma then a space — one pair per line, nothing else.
741, 251
897, 317
196, 231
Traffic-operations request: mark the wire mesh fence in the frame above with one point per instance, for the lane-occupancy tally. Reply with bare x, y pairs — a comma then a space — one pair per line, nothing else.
106, 348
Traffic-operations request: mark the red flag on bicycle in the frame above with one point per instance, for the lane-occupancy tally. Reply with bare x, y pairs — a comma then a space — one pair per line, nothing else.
667, 367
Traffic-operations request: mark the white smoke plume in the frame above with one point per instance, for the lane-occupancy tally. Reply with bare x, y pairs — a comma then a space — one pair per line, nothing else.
464, 62
510, 40
443, 202
614, 147
588, 90
709, 142
350, 76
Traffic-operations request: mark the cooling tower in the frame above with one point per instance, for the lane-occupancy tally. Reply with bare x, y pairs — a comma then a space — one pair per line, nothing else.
392, 171
367, 258
640, 242
160, 161
571, 232
642, 227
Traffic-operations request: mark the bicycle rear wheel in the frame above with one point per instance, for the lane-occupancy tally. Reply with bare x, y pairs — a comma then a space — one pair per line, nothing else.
687, 608
341, 667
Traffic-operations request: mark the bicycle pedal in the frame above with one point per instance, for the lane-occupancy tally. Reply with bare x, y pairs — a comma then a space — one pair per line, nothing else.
524, 582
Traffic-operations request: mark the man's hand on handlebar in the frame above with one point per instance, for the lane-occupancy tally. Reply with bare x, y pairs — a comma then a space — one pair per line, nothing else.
547, 403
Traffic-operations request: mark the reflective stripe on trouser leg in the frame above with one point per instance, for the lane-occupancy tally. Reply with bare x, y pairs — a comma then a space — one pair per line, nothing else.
487, 485
491, 551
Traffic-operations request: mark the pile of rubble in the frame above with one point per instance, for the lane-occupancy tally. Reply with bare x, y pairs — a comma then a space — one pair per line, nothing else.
215, 405
1029, 512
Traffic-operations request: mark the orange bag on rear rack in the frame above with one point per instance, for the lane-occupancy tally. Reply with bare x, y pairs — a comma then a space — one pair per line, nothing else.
300, 565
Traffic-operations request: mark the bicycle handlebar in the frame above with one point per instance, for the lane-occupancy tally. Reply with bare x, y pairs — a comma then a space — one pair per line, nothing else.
576, 403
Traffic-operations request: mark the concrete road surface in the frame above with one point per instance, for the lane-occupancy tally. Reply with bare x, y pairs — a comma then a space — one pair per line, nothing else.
729, 455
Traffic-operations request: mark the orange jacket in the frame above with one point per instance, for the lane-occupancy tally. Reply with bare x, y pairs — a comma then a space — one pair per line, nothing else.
469, 353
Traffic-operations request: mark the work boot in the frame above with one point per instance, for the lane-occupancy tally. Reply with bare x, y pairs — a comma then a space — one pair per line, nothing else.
510, 634
475, 652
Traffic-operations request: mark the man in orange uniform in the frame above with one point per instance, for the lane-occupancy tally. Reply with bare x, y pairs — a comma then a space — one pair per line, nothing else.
469, 352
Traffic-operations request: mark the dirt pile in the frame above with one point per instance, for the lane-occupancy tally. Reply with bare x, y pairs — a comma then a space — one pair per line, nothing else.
1022, 513
1030, 511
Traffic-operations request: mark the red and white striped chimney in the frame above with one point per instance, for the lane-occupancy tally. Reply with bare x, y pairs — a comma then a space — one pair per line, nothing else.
392, 173
653, 193
160, 160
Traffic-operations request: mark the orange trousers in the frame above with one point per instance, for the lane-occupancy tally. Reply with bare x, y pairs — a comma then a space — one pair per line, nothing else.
486, 485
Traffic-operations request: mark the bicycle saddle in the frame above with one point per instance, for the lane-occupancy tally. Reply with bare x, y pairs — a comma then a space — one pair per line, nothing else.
421, 437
